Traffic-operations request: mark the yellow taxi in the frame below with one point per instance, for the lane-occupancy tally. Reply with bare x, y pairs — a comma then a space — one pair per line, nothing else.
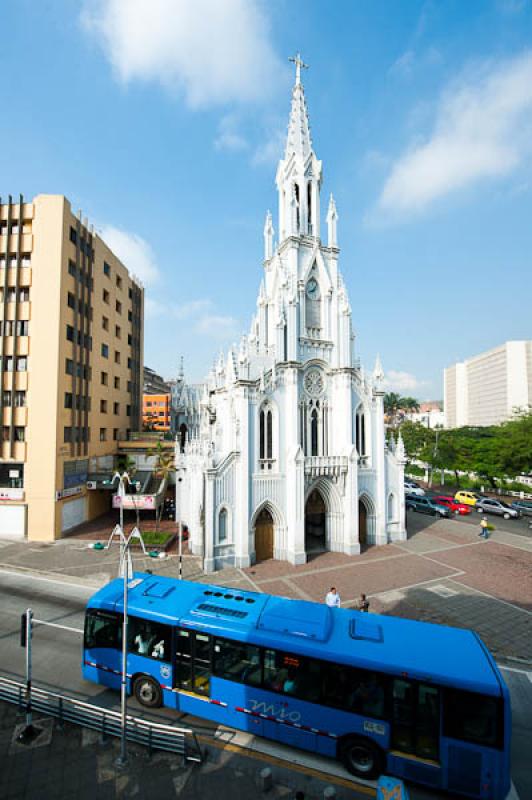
469, 498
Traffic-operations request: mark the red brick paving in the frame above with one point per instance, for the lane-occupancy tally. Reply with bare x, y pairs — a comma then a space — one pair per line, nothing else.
372, 578
494, 568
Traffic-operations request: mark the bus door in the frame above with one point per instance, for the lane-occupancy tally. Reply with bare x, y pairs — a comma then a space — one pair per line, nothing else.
193, 662
415, 728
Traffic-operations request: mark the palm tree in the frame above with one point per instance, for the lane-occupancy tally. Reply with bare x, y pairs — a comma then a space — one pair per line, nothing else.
392, 405
164, 467
409, 404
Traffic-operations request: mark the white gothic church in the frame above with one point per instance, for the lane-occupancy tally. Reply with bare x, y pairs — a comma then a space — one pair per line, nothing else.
282, 452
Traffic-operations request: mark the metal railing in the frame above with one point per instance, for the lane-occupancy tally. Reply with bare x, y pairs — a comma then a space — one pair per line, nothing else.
152, 735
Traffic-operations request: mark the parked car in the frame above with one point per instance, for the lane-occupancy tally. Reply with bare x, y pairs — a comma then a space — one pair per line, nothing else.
523, 506
411, 487
469, 498
451, 504
426, 505
490, 505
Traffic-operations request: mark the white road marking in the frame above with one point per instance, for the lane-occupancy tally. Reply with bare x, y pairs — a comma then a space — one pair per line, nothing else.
63, 583
519, 671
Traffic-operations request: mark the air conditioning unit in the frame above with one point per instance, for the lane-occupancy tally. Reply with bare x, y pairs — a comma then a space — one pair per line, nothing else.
91, 484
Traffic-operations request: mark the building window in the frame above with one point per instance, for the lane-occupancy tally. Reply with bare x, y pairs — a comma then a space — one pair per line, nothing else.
118, 332
360, 433
129, 339
103, 406
21, 364
20, 434
129, 316
72, 269
266, 434
6, 433
129, 386
105, 350
8, 363
117, 383
6, 398
129, 363
106, 269
118, 307
105, 296
68, 400
70, 333
105, 323
116, 408
103, 434
128, 411
117, 357
24, 295
104, 378
222, 525
67, 434
20, 398
115, 434
73, 236
71, 300
23, 327
69, 366
118, 282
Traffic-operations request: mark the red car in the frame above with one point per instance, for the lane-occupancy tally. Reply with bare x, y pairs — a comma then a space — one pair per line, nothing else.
451, 504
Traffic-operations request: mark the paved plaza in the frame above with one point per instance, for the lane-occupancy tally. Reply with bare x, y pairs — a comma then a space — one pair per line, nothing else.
444, 573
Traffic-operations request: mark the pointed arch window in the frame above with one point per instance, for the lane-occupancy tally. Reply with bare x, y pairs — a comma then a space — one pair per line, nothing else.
314, 432
222, 525
296, 193
309, 208
266, 440
360, 433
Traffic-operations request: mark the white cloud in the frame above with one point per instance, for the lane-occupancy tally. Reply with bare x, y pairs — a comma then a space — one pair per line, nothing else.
229, 137
482, 130
404, 65
398, 381
192, 308
154, 308
271, 149
211, 51
218, 326
134, 252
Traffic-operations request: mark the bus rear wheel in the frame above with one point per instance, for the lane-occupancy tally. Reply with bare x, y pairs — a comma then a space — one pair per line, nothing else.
361, 757
148, 692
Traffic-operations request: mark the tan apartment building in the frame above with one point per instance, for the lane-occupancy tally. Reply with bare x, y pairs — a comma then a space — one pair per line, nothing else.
488, 388
71, 355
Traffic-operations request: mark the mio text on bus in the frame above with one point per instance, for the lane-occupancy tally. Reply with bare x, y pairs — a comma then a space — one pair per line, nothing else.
423, 702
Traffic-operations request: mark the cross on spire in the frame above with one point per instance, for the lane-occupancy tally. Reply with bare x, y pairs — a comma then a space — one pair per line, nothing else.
299, 63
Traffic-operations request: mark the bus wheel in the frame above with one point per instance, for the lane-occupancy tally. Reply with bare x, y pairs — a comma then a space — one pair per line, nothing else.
361, 757
148, 692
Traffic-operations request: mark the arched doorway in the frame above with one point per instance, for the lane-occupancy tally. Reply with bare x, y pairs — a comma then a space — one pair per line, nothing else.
362, 523
264, 536
315, 531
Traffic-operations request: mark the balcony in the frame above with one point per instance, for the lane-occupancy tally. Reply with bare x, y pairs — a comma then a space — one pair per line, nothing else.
328, 466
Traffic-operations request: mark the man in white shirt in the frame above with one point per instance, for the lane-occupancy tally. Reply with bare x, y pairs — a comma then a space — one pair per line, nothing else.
333, 598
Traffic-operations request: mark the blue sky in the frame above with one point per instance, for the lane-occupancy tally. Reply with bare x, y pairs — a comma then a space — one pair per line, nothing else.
164, 122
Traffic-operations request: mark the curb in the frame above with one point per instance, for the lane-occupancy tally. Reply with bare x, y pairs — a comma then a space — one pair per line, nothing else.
50, 575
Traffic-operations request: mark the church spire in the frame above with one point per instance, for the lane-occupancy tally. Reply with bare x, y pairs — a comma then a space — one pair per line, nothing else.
299, 173
298, 141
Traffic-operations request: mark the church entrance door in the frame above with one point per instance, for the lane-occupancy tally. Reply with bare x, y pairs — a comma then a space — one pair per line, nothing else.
362, 522
315, 538
264, 536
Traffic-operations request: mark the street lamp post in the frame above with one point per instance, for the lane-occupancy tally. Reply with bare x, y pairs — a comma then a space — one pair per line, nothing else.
124, 562
179, 478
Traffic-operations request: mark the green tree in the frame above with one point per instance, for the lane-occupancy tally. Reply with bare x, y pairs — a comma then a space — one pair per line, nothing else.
164, 467
418, 439
515, 443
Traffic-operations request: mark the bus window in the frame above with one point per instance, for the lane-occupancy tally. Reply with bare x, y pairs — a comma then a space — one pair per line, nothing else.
428, 722
102, 629
366, 693
236, 661
184, 660
472, 718
403, 722
202, 663
147, 638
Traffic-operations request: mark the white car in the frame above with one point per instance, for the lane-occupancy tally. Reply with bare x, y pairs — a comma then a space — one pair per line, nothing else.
411, 487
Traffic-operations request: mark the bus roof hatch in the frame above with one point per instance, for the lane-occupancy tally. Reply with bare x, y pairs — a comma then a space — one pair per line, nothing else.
296, 618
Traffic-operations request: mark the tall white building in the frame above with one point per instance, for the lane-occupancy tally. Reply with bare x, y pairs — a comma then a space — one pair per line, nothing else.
488, 388
285, 450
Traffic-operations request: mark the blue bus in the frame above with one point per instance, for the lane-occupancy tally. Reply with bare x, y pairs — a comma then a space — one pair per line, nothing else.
420, 701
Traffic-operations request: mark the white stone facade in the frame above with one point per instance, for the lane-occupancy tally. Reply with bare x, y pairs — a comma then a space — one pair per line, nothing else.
488, 388
285, 451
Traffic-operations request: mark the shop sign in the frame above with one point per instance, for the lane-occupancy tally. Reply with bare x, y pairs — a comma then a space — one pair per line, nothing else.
73, 490
11, 494
142, 502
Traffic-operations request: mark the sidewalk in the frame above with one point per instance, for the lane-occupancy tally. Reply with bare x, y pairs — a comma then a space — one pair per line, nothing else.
444, 573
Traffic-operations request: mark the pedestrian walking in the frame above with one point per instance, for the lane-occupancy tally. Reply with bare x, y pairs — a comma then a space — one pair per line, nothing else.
484, 528
332, 598
363, 603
